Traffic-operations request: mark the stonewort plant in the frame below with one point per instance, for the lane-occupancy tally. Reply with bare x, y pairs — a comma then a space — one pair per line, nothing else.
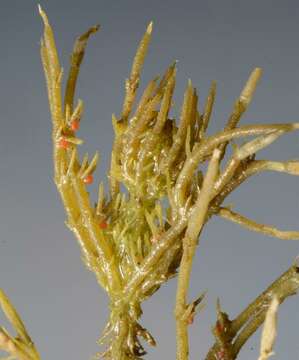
175, 181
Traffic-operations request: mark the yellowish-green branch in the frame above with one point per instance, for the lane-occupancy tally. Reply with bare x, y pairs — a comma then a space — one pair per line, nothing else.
195, 224
72, 189
254, 226
20, 347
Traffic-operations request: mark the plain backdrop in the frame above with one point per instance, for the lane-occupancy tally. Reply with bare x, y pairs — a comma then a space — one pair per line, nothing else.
40, 266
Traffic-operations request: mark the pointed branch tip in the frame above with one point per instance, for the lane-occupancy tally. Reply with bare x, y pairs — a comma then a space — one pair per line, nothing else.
250, 86
43, 15
149, 28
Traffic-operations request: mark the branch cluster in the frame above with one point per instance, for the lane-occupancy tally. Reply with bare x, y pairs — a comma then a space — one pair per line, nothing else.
135, 240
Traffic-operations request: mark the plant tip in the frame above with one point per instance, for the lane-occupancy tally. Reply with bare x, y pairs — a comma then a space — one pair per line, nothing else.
150, 28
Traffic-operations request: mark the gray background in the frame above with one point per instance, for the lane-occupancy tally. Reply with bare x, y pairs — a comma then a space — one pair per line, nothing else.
40, 267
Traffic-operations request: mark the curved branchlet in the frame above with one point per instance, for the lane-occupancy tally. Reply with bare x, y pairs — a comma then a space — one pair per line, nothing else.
137, 239
254, 226
76, 60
